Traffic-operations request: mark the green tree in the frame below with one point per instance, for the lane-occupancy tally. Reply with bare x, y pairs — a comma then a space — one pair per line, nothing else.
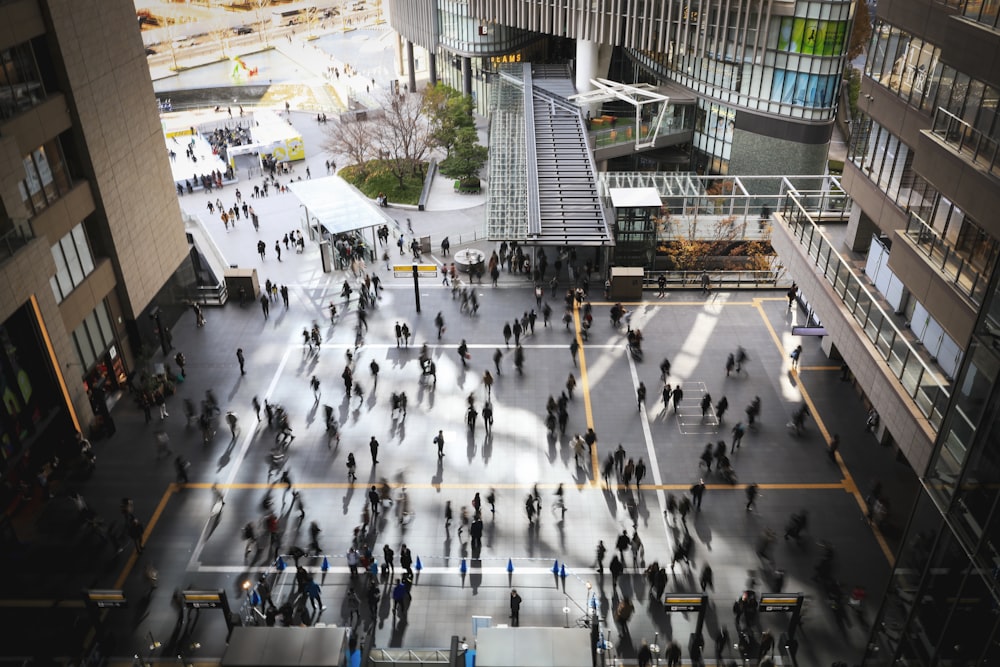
467, 155
448, 111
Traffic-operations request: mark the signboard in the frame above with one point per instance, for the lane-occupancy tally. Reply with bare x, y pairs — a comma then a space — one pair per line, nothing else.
684, 602
105, 599
423, 270
202, 599
808, 331
774, 602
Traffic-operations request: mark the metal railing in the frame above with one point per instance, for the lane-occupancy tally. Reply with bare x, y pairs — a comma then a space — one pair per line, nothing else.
983, 150
918, 380
968, 278
717, 279
15, 238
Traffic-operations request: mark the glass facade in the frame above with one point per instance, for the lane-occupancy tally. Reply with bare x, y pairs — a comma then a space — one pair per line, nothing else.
986, 12
911, 68
941, 604
94, 335
790, 68
21, 84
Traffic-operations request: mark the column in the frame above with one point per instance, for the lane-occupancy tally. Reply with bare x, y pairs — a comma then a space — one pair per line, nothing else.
467, 75
410, 66
592, 62
432, 66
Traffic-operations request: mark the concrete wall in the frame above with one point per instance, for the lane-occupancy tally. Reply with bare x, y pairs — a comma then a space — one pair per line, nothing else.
758, 154
116, 115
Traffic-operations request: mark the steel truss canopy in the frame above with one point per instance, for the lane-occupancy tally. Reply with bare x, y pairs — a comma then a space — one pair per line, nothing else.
639, 95
543, 181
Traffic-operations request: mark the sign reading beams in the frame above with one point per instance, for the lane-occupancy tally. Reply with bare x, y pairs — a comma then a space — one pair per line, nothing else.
684, 602
423, 270
105, 599
779, 602
202, 599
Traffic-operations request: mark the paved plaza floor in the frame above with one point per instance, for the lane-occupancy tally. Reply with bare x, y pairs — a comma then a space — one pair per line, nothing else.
191, 549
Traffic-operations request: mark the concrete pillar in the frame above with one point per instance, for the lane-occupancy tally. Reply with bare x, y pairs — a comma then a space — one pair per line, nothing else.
859, 231
410, 66
592, 62
432, 67
466, 75
586, 64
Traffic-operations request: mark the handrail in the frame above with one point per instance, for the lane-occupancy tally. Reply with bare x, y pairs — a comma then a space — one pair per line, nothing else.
963, 137
918, 380
969, 279
15, 238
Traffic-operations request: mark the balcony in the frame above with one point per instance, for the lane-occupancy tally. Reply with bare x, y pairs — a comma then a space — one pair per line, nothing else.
14, 235
910, 397
969, 279
982, 150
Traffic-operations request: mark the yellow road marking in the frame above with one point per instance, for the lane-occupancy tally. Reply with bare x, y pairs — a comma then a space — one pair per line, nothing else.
848, 483
585, 390
171, 489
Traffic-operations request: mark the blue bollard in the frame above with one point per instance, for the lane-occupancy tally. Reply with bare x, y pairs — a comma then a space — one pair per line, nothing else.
510, 566
562, 570
280, 564
463, 568
326, 565
419, 566
555, 567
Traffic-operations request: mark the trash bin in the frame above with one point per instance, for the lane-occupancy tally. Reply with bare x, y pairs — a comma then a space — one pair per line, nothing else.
425, 244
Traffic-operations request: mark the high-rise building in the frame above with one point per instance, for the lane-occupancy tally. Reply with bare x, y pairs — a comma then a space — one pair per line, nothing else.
921, 330
766, 73
90, 228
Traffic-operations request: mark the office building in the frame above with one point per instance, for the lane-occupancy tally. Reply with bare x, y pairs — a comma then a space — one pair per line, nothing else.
91, 229
920, 331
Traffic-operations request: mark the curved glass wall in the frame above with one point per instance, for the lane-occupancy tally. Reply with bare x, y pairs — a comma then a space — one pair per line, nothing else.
791, 66
462, 33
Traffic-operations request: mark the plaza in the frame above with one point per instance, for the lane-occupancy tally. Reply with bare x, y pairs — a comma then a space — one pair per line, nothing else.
876, 385
696, 331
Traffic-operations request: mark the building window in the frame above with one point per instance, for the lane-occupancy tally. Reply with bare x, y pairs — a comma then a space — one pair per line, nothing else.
906, 65
46, 177
94, 335
74, 262
20, 82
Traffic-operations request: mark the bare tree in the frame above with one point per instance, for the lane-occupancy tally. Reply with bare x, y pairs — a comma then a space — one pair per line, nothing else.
220, 34
402, 138
351, 141
261, 12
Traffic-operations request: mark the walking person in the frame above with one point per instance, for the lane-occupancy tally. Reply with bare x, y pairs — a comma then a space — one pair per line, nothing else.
439, 441
463, 353
697, 491
640, 395
241, 359
574, 349
314, 383
374, 367
752, 493
601, 551
677, 397
488, 417
796, 353
373, 447
738, 432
